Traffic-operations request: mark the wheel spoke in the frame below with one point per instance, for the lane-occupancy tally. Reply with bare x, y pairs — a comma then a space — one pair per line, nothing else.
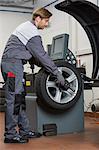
50, 84
57, 97
71, 78
68, 93
71, 92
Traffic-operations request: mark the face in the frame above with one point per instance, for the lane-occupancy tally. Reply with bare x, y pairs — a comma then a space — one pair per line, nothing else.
42, 23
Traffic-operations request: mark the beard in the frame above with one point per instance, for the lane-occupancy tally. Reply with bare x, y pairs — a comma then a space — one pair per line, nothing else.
40, 28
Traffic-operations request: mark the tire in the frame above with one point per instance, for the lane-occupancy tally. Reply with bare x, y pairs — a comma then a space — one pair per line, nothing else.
54, 98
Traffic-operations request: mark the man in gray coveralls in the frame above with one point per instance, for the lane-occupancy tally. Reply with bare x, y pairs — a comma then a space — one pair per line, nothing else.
24, 43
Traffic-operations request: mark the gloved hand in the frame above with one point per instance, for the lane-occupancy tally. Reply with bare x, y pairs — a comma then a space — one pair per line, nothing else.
60, 79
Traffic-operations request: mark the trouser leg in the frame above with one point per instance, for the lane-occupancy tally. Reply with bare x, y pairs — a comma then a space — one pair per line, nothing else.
23, 121
23, 124
15, 114
10, 118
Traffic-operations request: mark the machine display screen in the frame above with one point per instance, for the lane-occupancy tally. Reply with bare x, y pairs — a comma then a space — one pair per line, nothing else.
59, 46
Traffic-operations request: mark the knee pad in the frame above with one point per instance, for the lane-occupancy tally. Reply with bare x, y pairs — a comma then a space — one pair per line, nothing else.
17, 103
23, 102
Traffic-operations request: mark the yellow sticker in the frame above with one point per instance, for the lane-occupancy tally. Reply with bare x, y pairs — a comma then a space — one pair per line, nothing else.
28, 83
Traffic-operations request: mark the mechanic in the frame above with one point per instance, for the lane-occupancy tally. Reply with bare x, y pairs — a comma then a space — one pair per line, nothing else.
24, 44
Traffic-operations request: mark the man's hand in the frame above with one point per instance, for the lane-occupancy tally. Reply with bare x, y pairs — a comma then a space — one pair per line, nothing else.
60, 79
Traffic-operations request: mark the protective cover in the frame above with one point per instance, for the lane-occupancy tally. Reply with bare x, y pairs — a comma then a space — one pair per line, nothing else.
87, 14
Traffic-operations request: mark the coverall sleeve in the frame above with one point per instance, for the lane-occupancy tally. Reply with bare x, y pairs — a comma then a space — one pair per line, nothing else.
35, 47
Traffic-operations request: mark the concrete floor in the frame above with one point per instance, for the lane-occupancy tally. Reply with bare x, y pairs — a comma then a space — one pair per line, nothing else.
87, 140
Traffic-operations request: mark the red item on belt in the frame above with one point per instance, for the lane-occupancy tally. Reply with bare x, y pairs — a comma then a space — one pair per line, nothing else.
11, 75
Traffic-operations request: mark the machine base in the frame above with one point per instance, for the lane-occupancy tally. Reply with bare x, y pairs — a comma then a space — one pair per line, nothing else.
70, 121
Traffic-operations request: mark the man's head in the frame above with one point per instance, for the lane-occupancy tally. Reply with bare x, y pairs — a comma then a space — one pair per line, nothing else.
41, 18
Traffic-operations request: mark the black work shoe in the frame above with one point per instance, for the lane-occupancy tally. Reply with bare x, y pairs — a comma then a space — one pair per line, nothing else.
32, 135
16, 140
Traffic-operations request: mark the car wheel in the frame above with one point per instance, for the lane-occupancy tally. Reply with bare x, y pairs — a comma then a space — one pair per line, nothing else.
53, 97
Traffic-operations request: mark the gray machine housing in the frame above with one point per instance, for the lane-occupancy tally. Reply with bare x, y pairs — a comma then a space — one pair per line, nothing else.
69, 121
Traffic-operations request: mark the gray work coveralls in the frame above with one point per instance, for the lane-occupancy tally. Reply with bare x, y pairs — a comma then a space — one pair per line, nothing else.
24, 43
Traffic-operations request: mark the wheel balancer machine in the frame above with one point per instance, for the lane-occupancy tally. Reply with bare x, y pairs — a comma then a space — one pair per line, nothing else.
56, 110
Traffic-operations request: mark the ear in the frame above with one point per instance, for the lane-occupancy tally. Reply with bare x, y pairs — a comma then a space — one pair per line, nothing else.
38, 18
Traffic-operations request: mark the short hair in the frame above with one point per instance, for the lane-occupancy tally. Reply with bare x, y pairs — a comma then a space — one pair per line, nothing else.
42, 12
